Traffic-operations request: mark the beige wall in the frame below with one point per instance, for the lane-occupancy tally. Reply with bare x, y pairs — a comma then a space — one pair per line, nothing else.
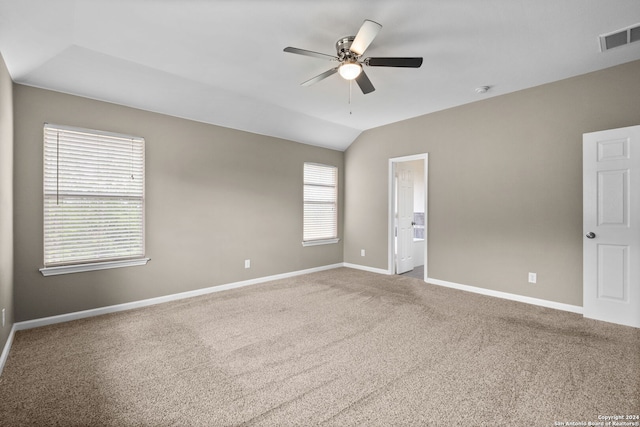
215, 197
505, 194
505, 183
6, 201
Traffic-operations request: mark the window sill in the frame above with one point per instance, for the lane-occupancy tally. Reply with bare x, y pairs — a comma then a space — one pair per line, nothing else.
79, 268
320, 242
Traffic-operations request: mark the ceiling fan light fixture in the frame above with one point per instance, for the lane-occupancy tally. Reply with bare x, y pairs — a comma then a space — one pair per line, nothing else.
350, 70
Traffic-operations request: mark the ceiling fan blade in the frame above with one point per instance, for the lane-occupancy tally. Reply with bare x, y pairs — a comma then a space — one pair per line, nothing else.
365, 84
367, 32
394, 62
319, 77
309, 53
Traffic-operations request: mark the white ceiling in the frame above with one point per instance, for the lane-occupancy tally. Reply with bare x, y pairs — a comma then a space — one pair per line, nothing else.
221, 61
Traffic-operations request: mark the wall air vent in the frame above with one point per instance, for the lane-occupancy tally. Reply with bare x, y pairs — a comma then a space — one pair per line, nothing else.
620, 37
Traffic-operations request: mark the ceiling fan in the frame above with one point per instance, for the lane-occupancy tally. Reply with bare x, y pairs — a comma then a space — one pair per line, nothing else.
349, 50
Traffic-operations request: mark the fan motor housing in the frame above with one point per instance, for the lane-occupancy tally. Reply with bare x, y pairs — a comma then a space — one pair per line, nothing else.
343, 49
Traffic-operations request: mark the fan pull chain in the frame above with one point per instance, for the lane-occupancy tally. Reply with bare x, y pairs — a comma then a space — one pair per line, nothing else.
350, 109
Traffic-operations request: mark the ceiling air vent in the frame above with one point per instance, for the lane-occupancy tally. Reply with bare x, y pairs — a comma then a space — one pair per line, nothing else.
620, 37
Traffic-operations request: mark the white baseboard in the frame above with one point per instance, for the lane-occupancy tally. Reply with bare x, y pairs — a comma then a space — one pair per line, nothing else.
7, 347
366, 268
29, 324
506, 295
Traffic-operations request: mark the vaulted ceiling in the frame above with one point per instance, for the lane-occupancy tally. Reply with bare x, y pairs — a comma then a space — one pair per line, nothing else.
222, 61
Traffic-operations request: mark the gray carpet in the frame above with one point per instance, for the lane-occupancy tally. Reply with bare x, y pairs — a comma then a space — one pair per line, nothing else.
339, 347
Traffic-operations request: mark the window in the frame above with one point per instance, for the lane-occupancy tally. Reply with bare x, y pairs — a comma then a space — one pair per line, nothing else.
93, 200
320, 204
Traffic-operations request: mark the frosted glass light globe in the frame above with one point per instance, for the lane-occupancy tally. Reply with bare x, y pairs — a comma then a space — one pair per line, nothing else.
350, 70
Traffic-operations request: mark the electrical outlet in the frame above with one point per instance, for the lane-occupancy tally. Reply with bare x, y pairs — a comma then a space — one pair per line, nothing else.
533, 277
247, 263
361, 252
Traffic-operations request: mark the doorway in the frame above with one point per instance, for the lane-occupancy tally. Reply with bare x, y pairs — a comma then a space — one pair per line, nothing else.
408, 211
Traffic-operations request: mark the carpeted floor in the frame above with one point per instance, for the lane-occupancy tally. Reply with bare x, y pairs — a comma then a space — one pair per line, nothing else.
339, 347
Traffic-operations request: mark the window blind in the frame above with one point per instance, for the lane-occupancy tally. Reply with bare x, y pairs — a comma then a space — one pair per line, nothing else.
93, 196
320, 202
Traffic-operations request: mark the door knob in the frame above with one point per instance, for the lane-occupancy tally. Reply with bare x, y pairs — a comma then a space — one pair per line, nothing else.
591, 235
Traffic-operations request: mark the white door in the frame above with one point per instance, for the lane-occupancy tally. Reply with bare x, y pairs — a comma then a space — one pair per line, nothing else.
405, 196
611, 225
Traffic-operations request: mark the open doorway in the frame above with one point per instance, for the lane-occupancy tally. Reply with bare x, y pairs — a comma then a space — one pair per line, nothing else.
408, 215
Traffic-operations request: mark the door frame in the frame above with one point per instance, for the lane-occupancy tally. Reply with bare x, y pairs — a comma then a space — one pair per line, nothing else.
392, 196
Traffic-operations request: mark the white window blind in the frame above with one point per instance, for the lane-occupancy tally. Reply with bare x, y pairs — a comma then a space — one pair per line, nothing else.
320, 202
93, 196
